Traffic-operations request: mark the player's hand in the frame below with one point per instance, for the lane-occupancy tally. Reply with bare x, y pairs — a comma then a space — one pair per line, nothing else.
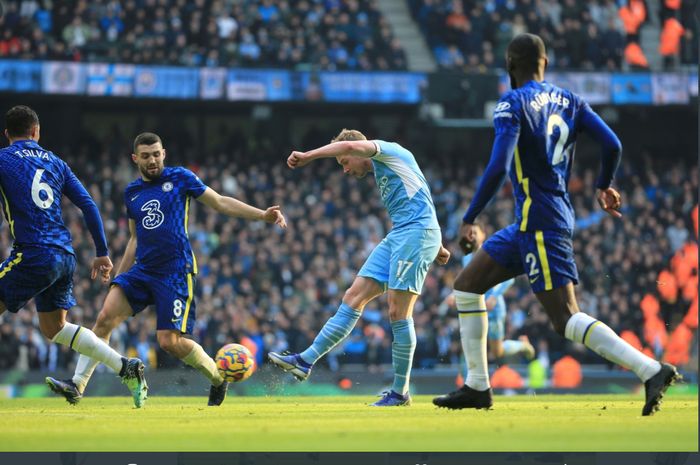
610, 201
443, 256
491, 303
298, 159
467, 236
102, 266
274, 215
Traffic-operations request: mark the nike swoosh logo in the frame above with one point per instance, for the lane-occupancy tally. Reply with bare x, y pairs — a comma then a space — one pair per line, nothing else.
533, 280
134, 197
175, 320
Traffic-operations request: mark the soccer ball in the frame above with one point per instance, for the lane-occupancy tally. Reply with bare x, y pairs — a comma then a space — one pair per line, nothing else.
235, 363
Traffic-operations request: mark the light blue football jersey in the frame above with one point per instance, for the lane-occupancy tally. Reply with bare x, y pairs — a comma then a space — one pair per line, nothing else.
403, 188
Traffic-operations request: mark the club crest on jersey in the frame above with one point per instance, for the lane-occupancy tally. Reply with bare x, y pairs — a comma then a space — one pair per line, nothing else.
167, 186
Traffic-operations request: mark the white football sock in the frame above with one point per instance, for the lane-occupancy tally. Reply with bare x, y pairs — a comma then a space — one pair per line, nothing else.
603, 341
85, 342
199, 359
473, 326
83, 371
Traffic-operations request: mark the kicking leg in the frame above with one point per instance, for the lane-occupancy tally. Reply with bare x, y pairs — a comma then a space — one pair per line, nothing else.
562, 308
337, 328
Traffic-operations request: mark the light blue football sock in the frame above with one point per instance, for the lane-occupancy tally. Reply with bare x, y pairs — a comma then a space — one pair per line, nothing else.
402, 350
335, 330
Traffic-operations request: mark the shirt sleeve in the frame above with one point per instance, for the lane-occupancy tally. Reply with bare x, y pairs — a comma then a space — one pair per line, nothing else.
193, 185
494, 175
76, 192
126, 205
610, 145
506, 115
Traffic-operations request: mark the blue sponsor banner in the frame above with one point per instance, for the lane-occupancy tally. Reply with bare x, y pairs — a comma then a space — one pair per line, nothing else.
259, 85
166, 82
110, 79
371, 87
631, 88
20, 76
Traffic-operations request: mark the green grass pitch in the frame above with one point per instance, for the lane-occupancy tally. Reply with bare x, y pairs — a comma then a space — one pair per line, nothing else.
524, 423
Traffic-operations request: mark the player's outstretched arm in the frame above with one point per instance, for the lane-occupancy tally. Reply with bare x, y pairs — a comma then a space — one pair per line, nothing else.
355, 148
76, 192
237, 209
130, 252
492, 180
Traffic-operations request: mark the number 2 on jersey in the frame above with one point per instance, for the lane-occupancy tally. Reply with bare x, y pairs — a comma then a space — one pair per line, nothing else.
556, 121
38, 187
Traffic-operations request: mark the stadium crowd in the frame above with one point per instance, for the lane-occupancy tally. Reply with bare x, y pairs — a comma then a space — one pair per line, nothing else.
594, 35
273, 289
328, 34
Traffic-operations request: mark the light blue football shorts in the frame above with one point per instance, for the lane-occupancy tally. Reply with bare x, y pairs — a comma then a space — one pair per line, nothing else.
402, 259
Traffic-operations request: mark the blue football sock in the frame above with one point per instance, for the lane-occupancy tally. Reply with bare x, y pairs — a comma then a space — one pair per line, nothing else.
402, 353
335, 330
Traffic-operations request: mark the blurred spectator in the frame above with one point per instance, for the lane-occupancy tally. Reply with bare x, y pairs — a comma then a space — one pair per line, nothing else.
255, 33
579, 35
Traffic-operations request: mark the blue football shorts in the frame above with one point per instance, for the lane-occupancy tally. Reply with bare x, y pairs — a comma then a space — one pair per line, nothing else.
546, 257
172, 295
42, 273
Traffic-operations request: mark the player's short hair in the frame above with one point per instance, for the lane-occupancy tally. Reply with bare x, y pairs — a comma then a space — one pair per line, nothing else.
19, 121
349, 134
146, 138
525, 52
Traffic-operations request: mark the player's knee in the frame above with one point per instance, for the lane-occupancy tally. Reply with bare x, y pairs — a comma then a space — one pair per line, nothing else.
168, 342
354, 298
104, 325
50, 328
559, 324
465, 283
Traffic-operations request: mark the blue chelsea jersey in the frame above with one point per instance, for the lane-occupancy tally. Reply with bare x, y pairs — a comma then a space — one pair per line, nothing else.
32, 183
160, 209
403, 188
546, 119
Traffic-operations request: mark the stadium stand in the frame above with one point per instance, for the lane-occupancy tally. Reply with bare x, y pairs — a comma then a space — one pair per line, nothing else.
328, 35
600, 34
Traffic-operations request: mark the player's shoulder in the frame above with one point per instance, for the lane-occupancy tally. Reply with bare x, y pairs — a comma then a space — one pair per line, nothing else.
567, 95
509, 103
391, 148
133, 185
178, 172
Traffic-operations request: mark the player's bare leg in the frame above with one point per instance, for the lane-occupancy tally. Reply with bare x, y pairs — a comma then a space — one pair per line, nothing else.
562, 308
402, 348
480, 275
194, 355
337, 328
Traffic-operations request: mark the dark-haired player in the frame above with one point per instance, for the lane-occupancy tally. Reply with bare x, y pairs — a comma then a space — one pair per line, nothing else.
159, 267
536, 126
41, 265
